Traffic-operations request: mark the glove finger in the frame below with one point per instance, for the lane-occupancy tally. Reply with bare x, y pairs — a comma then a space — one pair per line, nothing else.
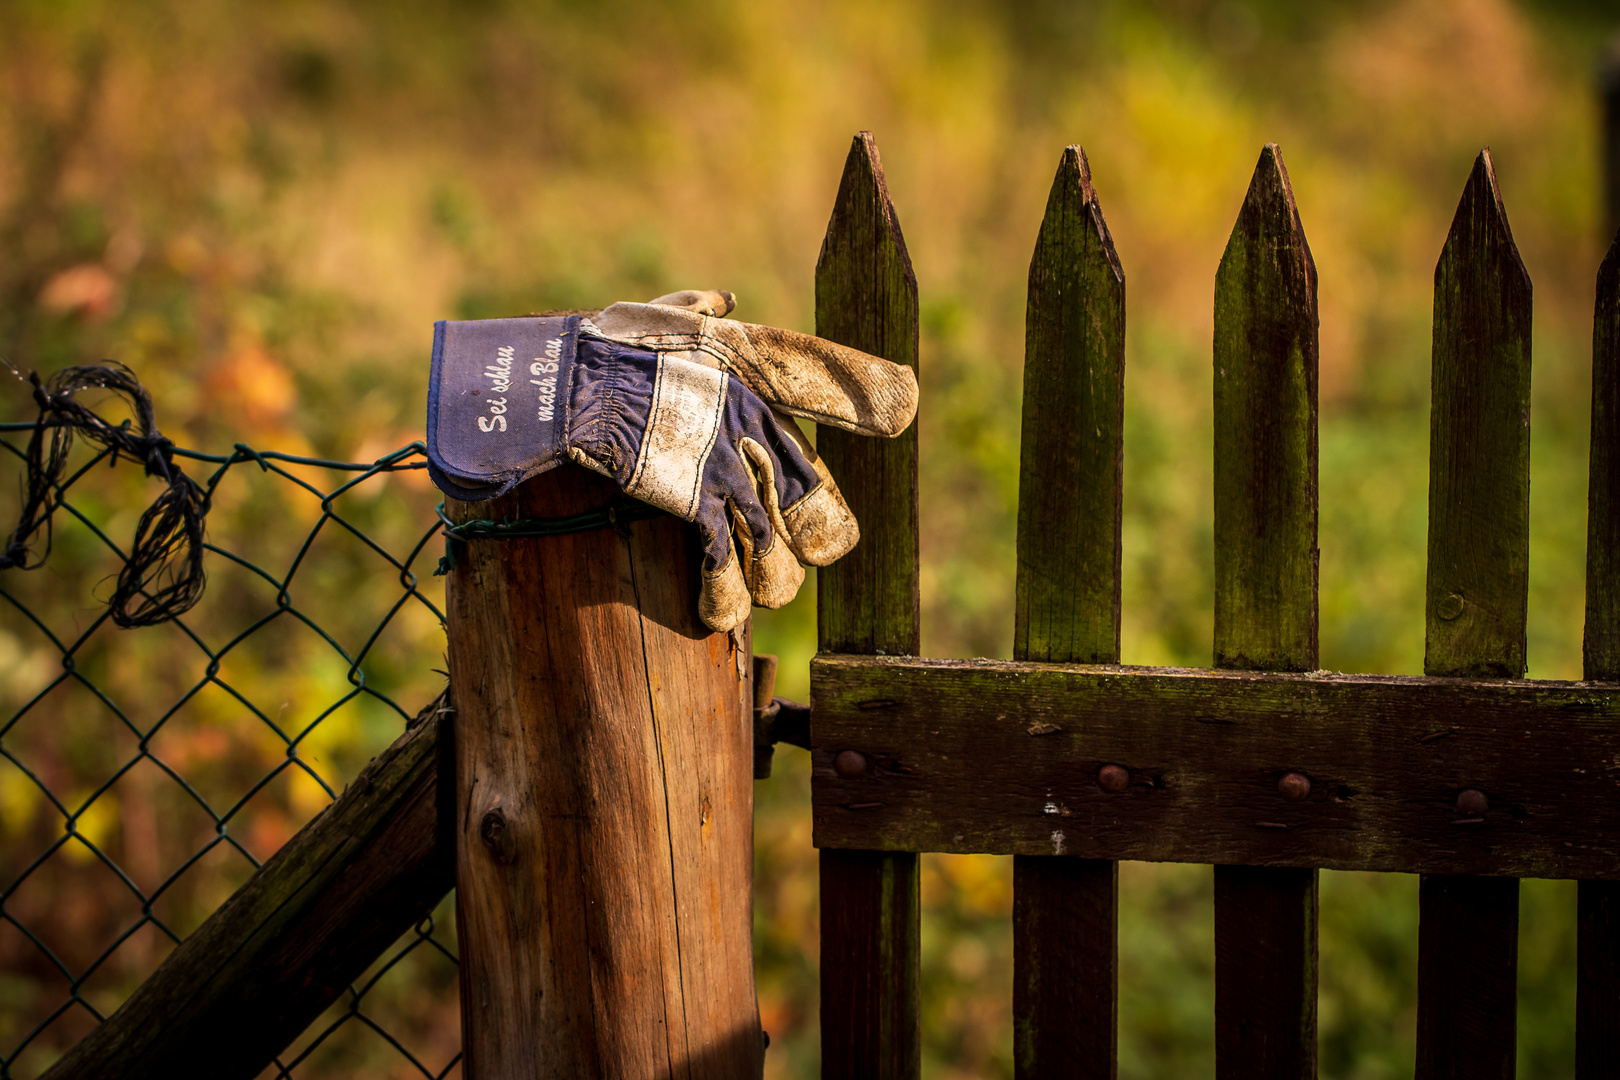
723, 599
816, 378
723, 595
768, 565
715, 302
800, 374
729, 494
765, 568
772, 573
812, 517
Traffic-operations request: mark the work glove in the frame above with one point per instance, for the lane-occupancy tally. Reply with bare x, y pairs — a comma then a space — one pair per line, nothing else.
676, 423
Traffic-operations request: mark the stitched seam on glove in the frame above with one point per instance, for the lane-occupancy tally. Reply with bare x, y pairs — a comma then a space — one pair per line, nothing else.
595, 441
789, 511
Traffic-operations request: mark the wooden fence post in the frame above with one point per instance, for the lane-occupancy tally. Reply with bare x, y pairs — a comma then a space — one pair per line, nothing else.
867, 602
1065, 909
1597, 995
1265, 602
604, 802
1475, 606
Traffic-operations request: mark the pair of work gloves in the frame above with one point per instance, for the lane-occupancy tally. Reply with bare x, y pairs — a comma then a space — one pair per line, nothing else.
685, 410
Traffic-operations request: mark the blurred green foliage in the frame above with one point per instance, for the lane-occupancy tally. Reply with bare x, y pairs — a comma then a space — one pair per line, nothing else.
263, 208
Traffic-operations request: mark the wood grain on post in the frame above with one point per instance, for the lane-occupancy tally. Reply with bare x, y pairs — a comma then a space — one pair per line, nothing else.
1597, 995
1475, 601
605, 802
1265, 601
263, 967
1065, 910
867, 602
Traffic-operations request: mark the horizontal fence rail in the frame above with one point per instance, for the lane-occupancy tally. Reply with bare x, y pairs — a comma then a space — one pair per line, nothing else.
1348, 772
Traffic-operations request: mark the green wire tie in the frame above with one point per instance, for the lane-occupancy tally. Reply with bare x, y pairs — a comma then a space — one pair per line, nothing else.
516, 528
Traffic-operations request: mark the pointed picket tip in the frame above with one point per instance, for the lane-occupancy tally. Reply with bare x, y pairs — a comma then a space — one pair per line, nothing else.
1074, 179
863, 188
1481, 219
1269, 207
1608, 278
1074, 171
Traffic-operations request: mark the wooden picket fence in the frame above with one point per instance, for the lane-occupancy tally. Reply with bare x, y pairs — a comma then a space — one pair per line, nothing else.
1262, 765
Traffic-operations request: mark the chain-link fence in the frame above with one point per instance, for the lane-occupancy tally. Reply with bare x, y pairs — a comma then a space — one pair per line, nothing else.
145, 774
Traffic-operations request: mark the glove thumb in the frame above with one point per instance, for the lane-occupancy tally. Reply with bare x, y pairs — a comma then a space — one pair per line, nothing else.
715, 302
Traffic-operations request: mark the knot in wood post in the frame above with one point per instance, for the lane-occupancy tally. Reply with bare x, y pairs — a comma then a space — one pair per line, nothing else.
604, 802
498, 837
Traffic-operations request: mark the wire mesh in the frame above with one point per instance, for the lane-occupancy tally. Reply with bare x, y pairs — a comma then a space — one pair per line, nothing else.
145, 774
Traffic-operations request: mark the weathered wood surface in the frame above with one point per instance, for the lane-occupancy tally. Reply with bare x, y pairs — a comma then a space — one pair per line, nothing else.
1265, 600
1479, 444
1065, 910
1071, 452
870, 918
604, 800
1065, 966
1265, 434
241, 988
1475, 603
866, 297
1265, 971
1602, 639
1468, 955
1597, 981
1597, 1025
1003, 757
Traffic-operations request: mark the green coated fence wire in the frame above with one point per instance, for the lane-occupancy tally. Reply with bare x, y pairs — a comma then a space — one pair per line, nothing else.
146, 772
514, 528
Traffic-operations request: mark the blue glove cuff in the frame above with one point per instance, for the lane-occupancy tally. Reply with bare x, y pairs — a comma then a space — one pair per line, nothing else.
498, 401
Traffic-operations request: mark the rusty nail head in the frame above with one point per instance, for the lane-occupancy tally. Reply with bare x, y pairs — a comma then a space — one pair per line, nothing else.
849, 764
1113, 778
1472, 803
1294, 786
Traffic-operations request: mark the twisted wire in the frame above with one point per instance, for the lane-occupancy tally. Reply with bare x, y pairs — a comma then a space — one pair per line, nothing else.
162, 577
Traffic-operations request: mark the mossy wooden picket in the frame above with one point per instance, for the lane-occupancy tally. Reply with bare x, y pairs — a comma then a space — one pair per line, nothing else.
1262, 765
1065, 918
867, 603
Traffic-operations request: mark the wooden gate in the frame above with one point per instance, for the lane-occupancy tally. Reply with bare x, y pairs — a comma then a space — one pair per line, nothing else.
1262, 765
